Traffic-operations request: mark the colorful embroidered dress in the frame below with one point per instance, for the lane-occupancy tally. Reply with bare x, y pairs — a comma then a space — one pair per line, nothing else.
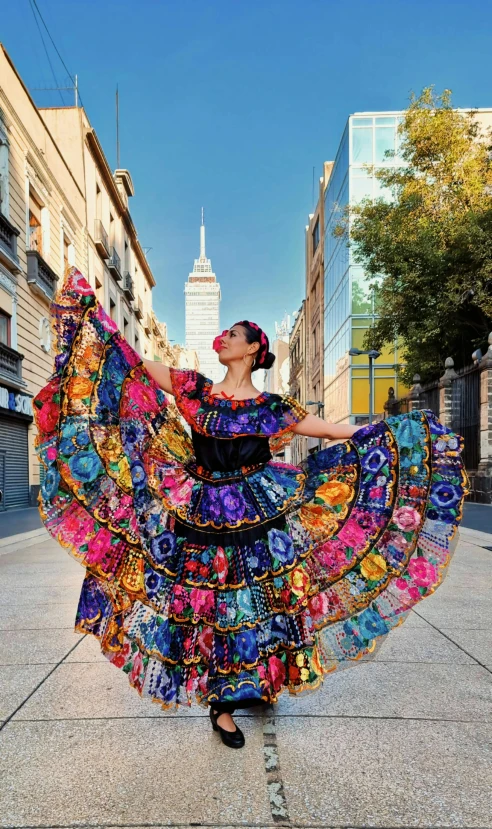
213, 572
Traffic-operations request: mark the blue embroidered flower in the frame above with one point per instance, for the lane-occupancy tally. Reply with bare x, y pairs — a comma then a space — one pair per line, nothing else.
445, 495
138, 474
233, 503
162, 547
153, 582
69, 429
67, 447
281, 546
262, 553
371, 624
116, 365
85, 466
374, 460
49, 487
82, 439
108, 395
132, 432
162, 637
246, 646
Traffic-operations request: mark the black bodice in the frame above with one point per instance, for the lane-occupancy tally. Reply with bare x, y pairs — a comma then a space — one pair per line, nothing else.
226, 455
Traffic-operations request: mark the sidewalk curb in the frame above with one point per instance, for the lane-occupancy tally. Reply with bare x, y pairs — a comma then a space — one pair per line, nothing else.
476, 537
14, 543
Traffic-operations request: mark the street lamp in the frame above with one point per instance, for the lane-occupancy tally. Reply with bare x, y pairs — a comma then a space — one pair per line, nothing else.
321, 407
373, 355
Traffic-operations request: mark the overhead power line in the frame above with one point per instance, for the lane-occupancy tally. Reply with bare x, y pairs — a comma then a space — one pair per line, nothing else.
33, 2
46, 50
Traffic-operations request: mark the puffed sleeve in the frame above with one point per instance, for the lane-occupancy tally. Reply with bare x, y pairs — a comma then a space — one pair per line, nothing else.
279, 414
187, 386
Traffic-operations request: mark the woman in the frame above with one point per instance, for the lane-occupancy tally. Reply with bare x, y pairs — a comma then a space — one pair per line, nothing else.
212, 571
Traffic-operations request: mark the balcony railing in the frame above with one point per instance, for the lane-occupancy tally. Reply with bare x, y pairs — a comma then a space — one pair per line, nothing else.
40, 276
139, 312
8, 244
128, 286
11, 366
148, 324
114, 264
101, 239
155, 326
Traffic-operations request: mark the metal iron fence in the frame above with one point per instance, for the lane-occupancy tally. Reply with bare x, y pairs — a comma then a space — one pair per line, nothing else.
465, 413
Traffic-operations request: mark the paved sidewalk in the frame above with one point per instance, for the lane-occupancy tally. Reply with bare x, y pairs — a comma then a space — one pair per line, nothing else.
402, 741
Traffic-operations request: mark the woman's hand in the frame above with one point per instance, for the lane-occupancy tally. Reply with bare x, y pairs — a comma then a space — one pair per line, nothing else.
315, 427
160, 373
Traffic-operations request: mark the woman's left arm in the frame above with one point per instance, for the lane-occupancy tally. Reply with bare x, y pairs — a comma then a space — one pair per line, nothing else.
312, 426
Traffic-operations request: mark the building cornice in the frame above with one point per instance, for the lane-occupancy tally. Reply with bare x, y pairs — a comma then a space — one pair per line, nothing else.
35, 151
97, 152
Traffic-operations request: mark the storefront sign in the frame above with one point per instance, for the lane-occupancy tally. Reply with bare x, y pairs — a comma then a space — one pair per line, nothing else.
15, 401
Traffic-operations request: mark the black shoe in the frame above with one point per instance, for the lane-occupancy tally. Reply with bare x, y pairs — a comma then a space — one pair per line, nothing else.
233, 739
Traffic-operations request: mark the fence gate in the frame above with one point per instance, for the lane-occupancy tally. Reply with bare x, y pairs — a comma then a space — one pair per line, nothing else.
466, 414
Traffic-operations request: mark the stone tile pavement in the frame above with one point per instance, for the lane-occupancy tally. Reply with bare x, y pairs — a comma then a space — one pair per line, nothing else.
404, 740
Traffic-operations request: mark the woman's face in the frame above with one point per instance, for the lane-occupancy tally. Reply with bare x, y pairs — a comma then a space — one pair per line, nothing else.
233, 345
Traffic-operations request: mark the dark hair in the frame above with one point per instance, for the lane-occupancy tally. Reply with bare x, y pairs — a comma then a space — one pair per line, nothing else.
254, 334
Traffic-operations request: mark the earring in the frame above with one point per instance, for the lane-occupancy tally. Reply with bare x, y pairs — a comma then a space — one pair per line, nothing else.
248, 364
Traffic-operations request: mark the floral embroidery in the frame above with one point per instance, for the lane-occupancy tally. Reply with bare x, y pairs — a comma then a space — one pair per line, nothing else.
237, 584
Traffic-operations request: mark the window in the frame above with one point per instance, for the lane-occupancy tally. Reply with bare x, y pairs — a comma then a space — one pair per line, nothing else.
68, 251
98, 201
362, 145
99, 291
112, 309
4, 328
111, 230
316, 236
35, 224
126, 328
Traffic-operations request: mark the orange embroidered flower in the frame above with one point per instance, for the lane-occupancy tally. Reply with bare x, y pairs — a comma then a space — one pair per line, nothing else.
334, 492
79, 387
373, 567
315, 517
299, 580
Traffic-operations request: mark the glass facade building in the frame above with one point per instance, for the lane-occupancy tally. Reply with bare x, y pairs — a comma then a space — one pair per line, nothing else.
349, 304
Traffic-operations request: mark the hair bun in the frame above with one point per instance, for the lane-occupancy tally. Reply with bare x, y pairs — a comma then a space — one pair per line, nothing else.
268, 360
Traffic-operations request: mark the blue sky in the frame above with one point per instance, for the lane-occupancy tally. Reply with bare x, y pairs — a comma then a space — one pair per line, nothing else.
230, 105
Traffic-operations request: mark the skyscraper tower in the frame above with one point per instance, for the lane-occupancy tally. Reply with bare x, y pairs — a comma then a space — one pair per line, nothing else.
202, 298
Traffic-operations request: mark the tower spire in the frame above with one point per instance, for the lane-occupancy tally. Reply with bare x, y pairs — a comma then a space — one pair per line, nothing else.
202, 236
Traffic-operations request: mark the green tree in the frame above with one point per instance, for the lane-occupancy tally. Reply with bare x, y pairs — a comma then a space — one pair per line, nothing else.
430, 249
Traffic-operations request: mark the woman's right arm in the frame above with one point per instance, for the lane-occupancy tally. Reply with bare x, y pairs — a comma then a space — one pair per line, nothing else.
160, 374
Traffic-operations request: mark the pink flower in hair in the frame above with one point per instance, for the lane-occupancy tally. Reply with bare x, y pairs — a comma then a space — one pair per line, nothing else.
217, 344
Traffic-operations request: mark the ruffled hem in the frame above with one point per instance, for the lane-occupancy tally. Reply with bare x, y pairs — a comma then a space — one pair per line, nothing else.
349, 543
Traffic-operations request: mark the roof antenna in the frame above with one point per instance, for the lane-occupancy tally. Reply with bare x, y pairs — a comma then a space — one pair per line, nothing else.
117, 130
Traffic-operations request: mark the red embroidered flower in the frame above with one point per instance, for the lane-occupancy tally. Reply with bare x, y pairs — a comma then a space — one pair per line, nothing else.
47, 417
276, 670
220, 565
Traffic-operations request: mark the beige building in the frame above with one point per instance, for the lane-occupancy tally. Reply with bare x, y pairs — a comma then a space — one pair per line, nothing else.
298, 375
315, 293
42, 230
60, 205
116, 264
